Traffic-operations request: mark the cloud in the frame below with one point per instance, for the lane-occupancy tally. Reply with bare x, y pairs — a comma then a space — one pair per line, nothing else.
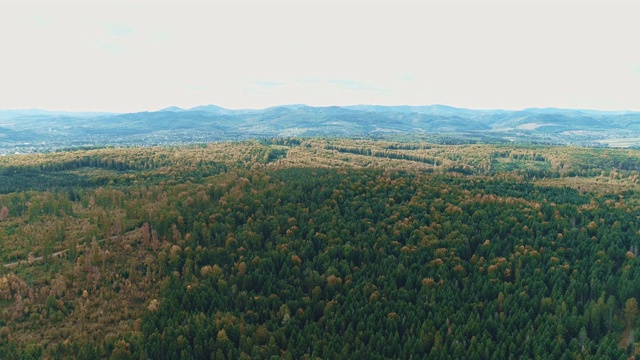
308, 80
407, 77
268, 83
161, 37
111, 47
41, 20
355, 85
196, 88
119, 30
263, 87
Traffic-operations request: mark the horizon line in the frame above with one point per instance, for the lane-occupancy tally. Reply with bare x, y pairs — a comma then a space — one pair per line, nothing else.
167, 108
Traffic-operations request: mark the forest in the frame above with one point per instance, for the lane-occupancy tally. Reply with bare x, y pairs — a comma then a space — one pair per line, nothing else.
320, 248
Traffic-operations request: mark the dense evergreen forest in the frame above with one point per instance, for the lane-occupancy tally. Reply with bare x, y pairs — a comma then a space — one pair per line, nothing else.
311, 248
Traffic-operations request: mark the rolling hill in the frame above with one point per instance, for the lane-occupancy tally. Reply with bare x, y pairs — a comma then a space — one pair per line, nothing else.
41, 130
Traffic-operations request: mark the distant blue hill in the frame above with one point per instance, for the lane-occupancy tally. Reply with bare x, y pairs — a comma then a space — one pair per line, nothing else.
52, 129
12, 114
172, 109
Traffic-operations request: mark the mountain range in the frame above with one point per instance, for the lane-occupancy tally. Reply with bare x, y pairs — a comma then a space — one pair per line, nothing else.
41, 130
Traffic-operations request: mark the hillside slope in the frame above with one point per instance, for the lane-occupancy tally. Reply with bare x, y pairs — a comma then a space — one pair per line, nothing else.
319, 248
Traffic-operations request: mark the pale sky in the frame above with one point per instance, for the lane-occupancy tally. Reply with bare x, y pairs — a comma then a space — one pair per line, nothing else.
145, 56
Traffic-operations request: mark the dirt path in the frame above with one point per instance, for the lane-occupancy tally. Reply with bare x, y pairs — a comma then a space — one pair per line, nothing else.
55, 254
39, 258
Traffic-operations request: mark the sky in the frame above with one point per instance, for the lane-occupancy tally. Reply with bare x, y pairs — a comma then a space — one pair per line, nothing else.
144, 56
